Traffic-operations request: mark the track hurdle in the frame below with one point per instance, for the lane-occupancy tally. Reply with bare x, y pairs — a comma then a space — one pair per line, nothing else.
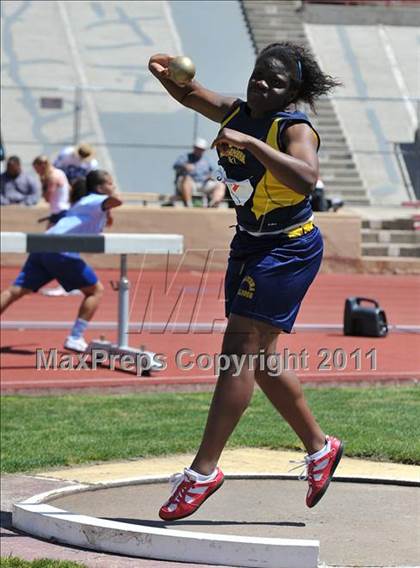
122, 244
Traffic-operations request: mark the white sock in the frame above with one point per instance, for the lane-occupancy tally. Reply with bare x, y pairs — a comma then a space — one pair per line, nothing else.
79, 328
320, 453
200, 476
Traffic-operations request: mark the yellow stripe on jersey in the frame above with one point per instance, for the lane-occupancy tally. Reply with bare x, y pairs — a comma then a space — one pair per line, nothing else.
231, 115
270, 193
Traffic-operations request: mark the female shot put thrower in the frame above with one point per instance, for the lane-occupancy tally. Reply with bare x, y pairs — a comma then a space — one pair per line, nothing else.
122, 244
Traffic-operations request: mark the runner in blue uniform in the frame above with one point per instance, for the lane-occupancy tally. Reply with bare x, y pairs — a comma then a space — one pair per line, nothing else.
268, 159
92, 198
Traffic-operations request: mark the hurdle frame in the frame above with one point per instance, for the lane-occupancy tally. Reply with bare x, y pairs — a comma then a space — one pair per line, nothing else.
112, 243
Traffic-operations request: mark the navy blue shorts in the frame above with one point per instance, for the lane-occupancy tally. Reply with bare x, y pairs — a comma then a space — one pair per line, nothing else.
268, 283
40, 268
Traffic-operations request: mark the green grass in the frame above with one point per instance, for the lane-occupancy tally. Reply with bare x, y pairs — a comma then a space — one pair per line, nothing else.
14, 562
45, 432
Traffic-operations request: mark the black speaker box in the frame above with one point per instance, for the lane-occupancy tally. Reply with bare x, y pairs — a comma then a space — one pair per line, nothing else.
364, 320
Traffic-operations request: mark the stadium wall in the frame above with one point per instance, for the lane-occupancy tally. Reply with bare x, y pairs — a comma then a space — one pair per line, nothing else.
341, 232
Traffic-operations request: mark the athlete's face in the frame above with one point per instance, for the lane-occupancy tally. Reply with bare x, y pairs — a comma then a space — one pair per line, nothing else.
268, 86
108, 186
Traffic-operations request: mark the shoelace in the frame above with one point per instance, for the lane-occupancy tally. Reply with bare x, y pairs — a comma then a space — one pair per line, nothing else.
176, 481
305, 464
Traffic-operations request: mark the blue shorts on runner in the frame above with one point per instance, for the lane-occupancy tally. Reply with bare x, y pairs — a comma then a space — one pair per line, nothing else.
40, 268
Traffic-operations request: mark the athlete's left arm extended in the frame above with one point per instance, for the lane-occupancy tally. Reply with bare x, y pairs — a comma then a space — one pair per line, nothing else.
297, 168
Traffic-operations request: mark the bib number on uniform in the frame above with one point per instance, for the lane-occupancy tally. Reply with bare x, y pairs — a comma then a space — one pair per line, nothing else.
240, 191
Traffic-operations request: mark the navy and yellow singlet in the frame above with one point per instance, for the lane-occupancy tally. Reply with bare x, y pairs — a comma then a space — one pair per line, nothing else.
263, 204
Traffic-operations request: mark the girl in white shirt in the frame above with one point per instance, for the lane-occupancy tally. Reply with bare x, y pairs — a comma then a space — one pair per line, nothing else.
55, 188
92, 198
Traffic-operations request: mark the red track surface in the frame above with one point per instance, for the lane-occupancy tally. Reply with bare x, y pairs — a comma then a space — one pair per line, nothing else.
195, 298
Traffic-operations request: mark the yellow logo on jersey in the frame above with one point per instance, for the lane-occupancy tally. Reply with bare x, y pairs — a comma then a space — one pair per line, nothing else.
234, 155
248, 292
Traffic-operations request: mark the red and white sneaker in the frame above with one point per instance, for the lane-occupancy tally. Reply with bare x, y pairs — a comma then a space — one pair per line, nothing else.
188, 494
321, 470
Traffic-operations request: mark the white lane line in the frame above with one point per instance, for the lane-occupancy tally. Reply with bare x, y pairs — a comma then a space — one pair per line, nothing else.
107, 163
361, 375
110, 380
218, 327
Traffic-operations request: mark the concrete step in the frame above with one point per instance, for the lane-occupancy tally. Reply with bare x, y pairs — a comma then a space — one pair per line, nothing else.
334, 162
390, 236
323, 117
405, 224
326, 120
323, 108
262, 40
270, 24
278, 20
326, 126
357, 202
274, 20
347, 196
327, 141
340, 173
333, 139
264, 32
284, 23
331, 187
331, 134
335, 149
279, 8
345, 184
394, 250
270, 8
264, 5
332, 128
336, 157
334, 153
330, 166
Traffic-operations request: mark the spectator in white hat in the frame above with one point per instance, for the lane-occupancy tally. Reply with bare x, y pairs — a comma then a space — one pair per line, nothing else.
76, 161
194, 174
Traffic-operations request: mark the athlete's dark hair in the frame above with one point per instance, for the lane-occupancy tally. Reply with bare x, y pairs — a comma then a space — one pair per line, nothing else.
306, 77
82, 186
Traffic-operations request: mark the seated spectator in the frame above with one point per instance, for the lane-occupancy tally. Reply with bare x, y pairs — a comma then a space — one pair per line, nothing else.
318, 199
320, 202
55, 188
194, 173
76, 161
16, 185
